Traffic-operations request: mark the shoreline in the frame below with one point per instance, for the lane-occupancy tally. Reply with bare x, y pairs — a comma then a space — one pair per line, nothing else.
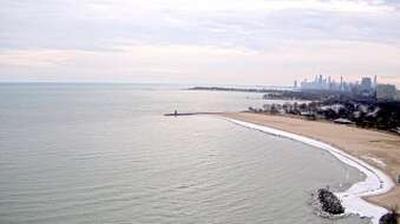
359, 198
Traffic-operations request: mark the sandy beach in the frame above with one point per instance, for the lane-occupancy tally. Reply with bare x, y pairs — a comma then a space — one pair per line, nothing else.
379, 149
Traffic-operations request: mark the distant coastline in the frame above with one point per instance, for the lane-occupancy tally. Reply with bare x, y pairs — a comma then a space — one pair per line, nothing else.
241, 89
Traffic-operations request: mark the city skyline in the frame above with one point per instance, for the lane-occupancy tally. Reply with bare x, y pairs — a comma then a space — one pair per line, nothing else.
235, 42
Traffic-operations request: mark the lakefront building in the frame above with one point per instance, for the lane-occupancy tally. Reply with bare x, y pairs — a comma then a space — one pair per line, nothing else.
386, 92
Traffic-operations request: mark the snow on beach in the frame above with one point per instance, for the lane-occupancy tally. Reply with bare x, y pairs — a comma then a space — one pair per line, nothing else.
376, 181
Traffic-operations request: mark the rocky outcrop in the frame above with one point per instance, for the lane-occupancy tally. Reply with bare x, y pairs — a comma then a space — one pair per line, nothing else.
329, 202
389, 218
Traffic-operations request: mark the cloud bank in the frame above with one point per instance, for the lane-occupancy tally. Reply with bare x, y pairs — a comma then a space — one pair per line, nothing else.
219, 41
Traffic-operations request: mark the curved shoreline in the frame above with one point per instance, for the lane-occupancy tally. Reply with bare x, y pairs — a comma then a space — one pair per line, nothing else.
376, 181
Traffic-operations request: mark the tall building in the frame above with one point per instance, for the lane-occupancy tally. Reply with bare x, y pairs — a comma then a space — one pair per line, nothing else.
320, 82
366, 83
341, 83
386, 92
365, 87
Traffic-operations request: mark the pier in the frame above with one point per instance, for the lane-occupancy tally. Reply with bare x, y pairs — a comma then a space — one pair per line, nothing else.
176, 114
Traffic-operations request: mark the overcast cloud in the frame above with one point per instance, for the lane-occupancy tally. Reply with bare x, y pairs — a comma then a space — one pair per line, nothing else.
219, 41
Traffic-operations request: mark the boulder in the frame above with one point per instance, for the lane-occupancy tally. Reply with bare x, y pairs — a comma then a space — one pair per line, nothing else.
389, 218
329, 202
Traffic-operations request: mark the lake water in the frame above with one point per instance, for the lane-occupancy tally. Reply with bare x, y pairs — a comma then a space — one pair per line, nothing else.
103, 153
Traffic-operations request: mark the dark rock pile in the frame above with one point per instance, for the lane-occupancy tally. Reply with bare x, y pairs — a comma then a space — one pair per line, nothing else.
389, 218
329, 202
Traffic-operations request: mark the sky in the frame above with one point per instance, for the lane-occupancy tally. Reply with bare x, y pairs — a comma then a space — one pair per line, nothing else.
187, 41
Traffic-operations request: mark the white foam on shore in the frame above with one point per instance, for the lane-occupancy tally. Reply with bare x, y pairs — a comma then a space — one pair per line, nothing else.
377, 161
376, 181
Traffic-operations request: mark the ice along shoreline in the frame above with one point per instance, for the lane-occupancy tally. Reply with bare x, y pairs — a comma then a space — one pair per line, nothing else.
376, 181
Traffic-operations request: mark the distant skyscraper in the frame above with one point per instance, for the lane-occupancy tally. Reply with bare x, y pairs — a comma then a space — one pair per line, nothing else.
366, 87
366, 83
341, 83
386, 92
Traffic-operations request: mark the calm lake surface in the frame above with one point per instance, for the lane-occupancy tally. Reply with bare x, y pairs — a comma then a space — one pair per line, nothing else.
103, 153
